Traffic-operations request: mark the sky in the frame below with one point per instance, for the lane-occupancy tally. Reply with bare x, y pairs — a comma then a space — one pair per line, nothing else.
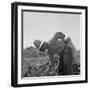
42, 26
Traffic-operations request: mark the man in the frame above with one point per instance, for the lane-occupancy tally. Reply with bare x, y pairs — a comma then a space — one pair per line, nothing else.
66, 60
75, 57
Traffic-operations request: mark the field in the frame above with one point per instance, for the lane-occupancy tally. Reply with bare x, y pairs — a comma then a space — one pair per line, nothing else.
36, 64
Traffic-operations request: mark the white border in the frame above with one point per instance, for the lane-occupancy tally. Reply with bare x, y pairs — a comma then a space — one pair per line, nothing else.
54, 78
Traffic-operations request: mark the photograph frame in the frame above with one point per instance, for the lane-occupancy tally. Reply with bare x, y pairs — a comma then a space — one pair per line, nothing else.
14, 42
